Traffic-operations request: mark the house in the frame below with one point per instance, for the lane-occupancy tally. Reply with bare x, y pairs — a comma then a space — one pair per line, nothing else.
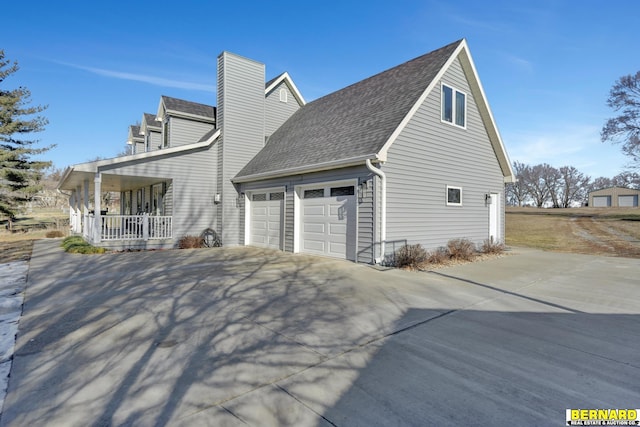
136, 140
613, 197
409, 155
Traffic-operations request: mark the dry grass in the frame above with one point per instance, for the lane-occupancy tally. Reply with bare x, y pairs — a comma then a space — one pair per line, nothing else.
613, 232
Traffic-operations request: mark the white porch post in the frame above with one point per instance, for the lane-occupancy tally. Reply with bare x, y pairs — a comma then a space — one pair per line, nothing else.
78, 224
72, 211
145, 226
85, 208
97, 228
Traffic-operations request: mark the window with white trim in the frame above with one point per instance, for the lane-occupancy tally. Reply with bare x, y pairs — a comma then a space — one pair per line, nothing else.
454, 196
283, 95
454, 106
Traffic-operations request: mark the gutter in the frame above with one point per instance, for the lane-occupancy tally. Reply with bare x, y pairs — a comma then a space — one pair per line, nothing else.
383, 215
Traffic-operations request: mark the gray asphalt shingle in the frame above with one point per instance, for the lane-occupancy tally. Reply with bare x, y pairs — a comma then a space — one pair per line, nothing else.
189, 107
352, 122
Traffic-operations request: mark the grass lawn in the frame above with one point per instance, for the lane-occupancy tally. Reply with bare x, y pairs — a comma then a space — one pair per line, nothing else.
17, 245
603, 231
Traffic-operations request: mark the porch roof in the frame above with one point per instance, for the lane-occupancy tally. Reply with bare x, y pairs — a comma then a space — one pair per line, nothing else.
110, 182
75, 175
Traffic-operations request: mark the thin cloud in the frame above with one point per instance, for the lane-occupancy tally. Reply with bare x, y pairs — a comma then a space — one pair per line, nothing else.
520, 63
144, 78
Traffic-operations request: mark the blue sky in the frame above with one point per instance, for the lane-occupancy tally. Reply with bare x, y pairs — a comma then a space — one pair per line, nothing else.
546, 66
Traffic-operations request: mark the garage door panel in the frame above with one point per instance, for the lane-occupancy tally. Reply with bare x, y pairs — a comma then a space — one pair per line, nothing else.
328, 223
628, 201
601, 201
314, 210
314, 246
266, 222
338, 229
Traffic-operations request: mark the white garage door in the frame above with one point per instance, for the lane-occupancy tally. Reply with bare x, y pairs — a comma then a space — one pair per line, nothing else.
329, 221
628, 201
601, 201
266, 219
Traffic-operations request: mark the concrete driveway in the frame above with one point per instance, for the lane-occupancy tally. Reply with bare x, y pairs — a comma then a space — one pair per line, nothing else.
244, 336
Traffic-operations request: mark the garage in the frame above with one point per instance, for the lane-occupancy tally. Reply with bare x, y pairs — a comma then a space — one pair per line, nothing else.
267, 209
328, 220
628, 201
601, 201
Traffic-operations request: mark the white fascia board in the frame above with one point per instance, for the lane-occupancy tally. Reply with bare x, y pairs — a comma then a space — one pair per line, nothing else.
94, 166
487, 116
435, 82
318, 167
462, 52
189, 116
161, 110
65, 175
285, 77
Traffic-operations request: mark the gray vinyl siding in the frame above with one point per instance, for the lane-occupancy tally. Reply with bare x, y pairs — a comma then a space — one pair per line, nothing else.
277, 112
184, 131
155, 140
241, 118
138, 147
427, 156
365, 218
189, 187
366, 227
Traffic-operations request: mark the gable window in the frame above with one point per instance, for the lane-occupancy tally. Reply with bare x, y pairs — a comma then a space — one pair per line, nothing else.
165, 134
454, 106
454, 196
283, 95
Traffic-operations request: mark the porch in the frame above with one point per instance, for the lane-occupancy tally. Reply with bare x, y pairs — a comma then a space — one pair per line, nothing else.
106, 228
143, 218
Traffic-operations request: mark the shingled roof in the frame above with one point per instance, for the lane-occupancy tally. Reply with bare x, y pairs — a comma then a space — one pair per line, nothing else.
151, 122
351, 123
188, 107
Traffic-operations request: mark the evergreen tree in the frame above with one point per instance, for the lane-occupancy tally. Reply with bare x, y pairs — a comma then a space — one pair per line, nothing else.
19, 173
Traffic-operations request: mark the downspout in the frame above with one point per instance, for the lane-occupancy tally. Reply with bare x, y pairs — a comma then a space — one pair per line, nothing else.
383, 215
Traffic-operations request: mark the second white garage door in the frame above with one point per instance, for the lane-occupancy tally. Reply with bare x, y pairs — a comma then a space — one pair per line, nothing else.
328, 221
266, 219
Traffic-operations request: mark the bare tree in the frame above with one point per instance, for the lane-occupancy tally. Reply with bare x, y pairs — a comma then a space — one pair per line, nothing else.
600, 183
624, 129
537, 184
552, 179
574, 186
626, 179
518, 192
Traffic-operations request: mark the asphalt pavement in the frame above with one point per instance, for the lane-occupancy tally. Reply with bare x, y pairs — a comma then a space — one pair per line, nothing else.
244, 336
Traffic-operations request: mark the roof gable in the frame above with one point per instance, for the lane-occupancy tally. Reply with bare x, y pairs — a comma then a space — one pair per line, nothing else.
361, 121
185, 108
284, 77
150, 123
354, 122
134, 134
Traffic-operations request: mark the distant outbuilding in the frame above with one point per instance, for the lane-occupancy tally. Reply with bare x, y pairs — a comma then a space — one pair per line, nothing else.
614, 197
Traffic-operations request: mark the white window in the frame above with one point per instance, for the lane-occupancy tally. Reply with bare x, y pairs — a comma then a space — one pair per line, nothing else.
283, 95
454, 196
454, 106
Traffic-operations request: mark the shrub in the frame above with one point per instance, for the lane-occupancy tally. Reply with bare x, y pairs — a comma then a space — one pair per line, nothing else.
411, 256
438, 256
54, 233
491, 247
77, 245
190, 242
461, 249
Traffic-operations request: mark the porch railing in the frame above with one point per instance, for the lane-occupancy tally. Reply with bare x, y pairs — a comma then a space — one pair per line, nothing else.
129, 227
